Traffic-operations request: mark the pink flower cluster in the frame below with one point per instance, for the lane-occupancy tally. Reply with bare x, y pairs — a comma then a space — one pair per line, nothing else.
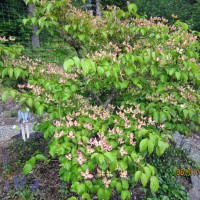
115, 131
87, 174
124, 174
122, 151
131, 136
101, 143
58, 135
71, 135
72, 123
5, 40
69, 156
88, 126
37, 89
81, 159
58, 123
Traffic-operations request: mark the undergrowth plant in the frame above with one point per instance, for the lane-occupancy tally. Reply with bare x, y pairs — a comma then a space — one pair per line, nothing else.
135, 82
8, 52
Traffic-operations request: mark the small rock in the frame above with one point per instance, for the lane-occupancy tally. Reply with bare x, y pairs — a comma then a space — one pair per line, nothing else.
194, 194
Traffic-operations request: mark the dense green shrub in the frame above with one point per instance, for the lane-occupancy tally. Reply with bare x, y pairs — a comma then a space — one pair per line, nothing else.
8, 74
134, 84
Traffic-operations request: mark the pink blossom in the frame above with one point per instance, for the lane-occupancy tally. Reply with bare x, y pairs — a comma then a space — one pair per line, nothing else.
88, 126
106, 182
162, 126
121, 141
112, 132
122, 151
11, 38
100, 173
109, 174
87, 174
68, 156
123, 174
89, 150
80, 143
71, 135
80, 159
56, 135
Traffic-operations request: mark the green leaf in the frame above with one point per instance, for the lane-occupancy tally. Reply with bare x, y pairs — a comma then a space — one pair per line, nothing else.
160, 88
81, 37
137, 176
88, 184
125, 184
72, 198
86, 196
132, 8
118, 187
156, 116
29, 102
123, 165
143, 132
147, 172
191, 113
185, 113
17, 72
100, 71
171, 71
163, 78
124, 84
32, 161
80, 188
150, 146
152, 168
40, 110
100, 194
10, 72
178, 75
40, 157
53, 150
5, 95
27, 168
111, 157
163, 117
143, 144
162, 146
113, 166
144, 179
104, 34
25, 21
68, 64
101, 158
154, 183
125, 194
129, 71
85, 64
13, 93
4, 72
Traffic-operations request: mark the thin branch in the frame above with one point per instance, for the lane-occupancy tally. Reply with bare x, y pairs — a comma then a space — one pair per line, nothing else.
110, 98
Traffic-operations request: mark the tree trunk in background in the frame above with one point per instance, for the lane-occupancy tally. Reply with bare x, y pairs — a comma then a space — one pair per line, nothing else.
89, 7
98, 8
35, 38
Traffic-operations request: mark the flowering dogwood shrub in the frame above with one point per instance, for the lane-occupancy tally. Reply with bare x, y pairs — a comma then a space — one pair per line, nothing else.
134, 85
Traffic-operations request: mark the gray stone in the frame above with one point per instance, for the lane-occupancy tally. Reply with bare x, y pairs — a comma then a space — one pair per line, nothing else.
195, 191
7, 132
192, 146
